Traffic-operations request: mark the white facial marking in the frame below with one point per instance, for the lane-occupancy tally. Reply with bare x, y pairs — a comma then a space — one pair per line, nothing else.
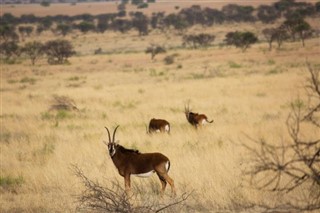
112, 149
144, 175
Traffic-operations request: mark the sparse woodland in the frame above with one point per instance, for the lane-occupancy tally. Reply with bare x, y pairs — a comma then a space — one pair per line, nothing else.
254, 70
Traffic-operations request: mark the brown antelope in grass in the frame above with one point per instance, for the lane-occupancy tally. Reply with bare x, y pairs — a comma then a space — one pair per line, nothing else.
158, 125
132, 162
196, 119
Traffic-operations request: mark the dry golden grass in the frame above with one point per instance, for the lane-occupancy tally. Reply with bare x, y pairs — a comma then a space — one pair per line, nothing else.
245, 93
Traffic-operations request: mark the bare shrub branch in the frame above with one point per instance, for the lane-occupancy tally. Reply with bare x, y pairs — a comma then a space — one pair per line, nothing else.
114, 199
293, 164
63, 103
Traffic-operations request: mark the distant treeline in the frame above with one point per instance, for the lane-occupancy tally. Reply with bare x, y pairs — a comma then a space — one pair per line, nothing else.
292, 27
185, 18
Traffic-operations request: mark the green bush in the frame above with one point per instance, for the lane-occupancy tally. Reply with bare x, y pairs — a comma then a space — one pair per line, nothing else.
28, 80
62, 114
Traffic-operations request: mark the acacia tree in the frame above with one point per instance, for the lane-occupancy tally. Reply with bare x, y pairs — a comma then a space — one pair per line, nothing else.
34, 50
275, 34
293, 165
242, 40
298, 26
25, 31
269, 34
238, 13
9, 50
86, 26
281, 35
200, 40
58, 51
7, 33
303, 29
136, 2
267, 14
63, 28
213, 16
121, 25
140, 22
177, 21
157, 20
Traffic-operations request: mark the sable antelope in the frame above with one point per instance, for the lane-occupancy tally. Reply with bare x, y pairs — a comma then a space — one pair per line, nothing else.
196, 119
132, 162
158, 125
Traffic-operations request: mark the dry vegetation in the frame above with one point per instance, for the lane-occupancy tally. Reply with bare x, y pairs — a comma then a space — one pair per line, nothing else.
245, 93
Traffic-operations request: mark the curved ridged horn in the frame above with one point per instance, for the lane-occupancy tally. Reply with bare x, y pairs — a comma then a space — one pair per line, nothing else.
108, 134
114, 133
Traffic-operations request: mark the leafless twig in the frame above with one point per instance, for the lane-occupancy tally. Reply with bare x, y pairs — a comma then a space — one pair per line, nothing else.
295, 163
114, 199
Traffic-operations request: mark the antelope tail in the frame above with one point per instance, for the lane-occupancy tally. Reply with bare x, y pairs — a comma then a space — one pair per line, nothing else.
209, 121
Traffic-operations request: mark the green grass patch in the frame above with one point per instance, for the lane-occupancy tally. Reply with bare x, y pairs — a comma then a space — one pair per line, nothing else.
28, 80
42, 154
74, 78
46, 116
5, 136
276, 70
261, 94
63, 114
10, 181
271, 62
59, 115
155, 73
127, 105
234, 65
197, 75
12, 81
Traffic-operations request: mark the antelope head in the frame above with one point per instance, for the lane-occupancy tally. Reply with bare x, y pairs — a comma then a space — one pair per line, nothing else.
187, 111
112, 145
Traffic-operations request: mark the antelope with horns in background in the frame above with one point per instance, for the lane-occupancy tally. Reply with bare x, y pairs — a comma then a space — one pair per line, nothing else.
132, 162
158, 125
196, 119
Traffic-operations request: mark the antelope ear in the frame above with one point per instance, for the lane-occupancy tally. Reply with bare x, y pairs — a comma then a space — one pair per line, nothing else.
117, 142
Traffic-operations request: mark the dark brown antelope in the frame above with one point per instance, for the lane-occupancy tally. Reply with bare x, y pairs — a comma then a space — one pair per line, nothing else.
196, 119
132, 162
158, 125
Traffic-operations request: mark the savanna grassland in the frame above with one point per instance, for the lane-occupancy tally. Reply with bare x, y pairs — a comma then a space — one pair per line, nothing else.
248, 94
